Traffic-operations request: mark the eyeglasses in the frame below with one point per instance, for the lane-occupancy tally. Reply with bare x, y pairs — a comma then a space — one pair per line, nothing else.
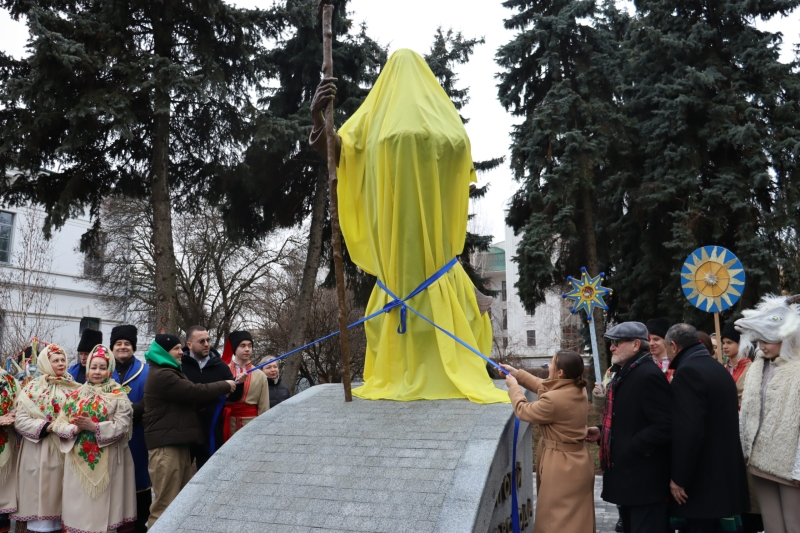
617, 342
203, 341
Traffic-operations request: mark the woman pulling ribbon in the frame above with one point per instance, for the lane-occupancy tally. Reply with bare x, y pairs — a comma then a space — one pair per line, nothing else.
41, 463
564, 468
95, 426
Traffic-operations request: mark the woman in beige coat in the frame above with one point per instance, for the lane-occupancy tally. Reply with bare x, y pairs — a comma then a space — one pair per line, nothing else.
40, 466
564, 468
94, 427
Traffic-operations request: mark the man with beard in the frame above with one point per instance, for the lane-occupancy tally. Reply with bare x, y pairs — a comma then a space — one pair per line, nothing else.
202, 365
635, 433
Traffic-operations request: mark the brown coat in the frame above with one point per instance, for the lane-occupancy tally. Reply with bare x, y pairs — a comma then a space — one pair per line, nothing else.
564, 468
170, 407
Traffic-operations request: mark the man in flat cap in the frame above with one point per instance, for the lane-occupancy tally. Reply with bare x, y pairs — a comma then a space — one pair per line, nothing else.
635, 434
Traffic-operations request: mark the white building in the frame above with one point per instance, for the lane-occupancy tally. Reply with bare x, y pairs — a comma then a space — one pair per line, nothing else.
516, 333
44, 290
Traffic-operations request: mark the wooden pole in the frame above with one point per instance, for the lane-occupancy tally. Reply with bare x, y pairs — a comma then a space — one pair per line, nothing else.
718, 353
327, 72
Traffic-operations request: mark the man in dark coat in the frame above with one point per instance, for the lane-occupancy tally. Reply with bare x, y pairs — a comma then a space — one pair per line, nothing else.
635, 434
202, 365
709, 480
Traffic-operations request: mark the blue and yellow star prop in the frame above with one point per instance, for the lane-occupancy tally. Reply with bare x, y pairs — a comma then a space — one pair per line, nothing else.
712, 278
587, 293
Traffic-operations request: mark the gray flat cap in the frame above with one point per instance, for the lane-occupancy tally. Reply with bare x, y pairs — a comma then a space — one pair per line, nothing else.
627, 330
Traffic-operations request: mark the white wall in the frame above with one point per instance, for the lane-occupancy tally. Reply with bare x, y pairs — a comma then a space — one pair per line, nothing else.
72, 294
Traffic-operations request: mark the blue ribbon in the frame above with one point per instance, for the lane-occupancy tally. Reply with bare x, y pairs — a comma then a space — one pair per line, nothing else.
212, 440
401, 329
514, 503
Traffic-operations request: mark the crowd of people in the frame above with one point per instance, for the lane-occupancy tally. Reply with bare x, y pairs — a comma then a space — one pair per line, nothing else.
686, 444
109, 442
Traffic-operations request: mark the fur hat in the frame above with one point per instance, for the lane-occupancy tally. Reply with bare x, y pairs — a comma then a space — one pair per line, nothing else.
126, 333
89, 339
658, 327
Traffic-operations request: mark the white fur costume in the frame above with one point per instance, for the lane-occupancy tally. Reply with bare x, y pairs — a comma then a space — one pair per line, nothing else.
771, 443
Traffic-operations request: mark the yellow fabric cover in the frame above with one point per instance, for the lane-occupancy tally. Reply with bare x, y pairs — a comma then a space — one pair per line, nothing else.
404, 176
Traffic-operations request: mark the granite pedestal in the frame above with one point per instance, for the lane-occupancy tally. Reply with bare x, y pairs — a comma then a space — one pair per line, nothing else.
316, 464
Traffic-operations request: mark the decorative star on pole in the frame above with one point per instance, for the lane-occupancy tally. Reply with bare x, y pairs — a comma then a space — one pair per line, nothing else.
587, 293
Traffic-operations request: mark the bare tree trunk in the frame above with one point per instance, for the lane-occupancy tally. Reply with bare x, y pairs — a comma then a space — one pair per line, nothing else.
165, 269
308, 283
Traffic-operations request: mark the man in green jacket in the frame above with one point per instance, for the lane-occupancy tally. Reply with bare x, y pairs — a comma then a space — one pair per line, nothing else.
171, 424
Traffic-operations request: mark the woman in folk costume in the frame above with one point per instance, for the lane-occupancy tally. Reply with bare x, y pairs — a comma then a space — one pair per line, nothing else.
405, 168
95, 425
9, 388
40, 469
564, 468
255, 399
769, 418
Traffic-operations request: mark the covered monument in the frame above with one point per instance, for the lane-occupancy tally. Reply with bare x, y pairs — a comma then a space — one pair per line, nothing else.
404, 174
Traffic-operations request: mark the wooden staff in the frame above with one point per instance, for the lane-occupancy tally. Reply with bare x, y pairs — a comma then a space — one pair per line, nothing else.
336, 236
718, 351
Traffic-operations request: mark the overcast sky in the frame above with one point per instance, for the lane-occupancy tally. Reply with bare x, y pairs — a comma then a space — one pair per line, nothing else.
412, 24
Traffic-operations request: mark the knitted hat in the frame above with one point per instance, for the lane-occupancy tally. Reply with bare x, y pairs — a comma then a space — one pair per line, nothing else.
167, 341
658, 326
233, 342
125, 333
89, 339
729, 332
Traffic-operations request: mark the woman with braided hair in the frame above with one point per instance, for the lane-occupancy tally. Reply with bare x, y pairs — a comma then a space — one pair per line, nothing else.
564, 468
94, 427
41, 464
9, 388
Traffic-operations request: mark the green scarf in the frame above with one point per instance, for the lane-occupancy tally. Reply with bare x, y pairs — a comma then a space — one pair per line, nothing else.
158, 355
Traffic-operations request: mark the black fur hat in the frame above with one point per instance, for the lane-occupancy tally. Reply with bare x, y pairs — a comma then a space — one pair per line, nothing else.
125, 332
89, 339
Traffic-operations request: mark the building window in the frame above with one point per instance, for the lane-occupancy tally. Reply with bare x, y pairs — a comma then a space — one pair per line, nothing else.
88, 322
531, 337
6, 232
505, 293
505, 342
505, 319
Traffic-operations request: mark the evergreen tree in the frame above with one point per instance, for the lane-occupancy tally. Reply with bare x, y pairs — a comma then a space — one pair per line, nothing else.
136, 98
560, 74
716, 157
448, 50
284, 180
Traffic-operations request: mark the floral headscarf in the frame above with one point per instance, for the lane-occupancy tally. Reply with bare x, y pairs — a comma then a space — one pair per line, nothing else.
87, 459
44, 396
9, 388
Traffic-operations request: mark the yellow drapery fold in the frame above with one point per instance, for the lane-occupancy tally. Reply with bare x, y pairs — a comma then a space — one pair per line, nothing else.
404, 175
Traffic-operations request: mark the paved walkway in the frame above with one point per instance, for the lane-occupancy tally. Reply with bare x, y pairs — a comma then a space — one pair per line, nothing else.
606, 513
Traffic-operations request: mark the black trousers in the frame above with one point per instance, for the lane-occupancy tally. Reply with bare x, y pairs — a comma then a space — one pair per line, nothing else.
143, 501
645, 518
